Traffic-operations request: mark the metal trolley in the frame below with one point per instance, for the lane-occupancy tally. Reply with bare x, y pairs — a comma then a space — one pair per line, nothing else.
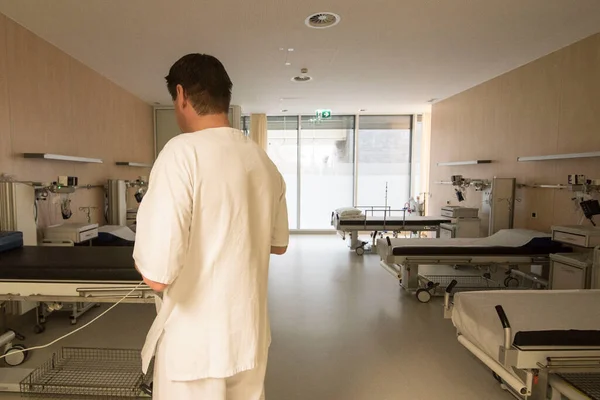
436, 285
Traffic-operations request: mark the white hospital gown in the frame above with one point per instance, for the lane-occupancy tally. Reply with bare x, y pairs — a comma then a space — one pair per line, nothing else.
214, 207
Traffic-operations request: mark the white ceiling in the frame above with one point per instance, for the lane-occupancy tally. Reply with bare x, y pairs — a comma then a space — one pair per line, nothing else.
386, 56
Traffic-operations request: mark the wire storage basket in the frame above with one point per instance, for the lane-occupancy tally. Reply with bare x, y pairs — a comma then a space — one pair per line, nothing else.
87, 373
587, 383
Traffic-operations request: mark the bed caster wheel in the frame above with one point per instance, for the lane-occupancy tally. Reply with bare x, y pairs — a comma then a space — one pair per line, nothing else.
360, 251
423, 295
16, 355
497, 377
511, 282
73, 321
39, 328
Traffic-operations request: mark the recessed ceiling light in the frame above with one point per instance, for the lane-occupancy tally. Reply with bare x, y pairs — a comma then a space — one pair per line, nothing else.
288, 64
362, 110
290, 49
322, 20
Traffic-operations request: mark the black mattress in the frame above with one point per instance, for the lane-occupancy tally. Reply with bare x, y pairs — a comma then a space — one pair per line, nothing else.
107, 239
394, 221
69, 263
537, 246
557, 338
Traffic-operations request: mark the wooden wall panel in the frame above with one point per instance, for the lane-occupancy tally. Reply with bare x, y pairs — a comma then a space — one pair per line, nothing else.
58, 105
580, 110
549, 106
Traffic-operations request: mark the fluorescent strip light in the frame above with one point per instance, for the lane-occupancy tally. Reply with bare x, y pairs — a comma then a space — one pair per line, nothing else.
134, 164
560, 156
474, 162
60, 157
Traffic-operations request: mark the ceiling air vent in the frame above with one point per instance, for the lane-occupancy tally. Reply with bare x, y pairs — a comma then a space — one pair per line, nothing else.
322, 20
303, 77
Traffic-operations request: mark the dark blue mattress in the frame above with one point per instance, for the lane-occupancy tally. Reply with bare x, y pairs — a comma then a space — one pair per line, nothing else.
86, 263
542, 246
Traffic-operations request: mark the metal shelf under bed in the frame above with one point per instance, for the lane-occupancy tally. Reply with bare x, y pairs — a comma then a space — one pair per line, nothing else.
587, 383
87, 373
435, 285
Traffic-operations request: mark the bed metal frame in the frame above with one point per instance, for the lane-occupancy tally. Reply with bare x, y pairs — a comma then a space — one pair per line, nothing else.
538, 372
52, 293
406, 270
360, 225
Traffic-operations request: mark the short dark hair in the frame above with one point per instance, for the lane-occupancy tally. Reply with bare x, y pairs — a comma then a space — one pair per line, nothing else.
204, 81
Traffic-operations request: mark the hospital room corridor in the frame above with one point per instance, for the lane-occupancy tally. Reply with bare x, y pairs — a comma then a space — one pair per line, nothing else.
342, 330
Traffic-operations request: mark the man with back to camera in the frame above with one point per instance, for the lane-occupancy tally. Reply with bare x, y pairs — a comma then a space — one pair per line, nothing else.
214, 212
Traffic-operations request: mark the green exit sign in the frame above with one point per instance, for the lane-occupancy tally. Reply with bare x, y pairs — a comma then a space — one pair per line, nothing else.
324, 114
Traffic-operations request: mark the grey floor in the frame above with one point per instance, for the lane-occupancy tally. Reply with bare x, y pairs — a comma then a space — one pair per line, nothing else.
342, 330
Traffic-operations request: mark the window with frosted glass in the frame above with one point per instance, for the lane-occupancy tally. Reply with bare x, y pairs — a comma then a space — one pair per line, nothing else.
326, 169
383, 154
282, 147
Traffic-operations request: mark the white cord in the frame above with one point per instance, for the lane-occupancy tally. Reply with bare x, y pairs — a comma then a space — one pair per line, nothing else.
76, 330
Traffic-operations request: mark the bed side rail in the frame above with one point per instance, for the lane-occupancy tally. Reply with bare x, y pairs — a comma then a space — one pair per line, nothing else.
506, 325
447, 304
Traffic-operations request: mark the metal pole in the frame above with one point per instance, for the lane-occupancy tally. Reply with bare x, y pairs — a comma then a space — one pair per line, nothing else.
385, 207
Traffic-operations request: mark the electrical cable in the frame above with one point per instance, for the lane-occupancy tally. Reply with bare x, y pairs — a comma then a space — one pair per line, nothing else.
76, 330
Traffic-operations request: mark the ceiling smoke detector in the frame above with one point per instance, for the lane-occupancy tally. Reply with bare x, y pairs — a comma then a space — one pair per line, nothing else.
303, 77
322, 20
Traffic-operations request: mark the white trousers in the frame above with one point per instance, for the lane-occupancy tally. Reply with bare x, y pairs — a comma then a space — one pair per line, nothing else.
247, 385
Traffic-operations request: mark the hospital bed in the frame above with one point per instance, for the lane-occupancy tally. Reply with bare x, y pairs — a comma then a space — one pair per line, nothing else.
509, 248
539, 344
352, 223
55, 275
